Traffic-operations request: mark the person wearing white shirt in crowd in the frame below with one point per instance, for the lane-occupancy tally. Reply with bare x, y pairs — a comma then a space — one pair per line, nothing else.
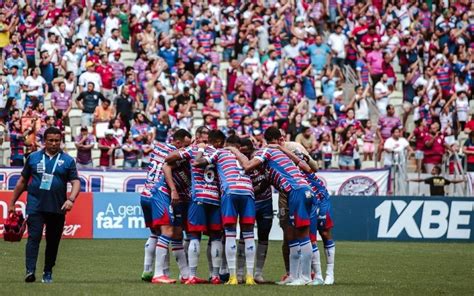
140, 9
90, 76
111, 22
337, 41
35, 87
292, 50
381, 92
395, 148
51, 46
113, 44
70, 60
61, 30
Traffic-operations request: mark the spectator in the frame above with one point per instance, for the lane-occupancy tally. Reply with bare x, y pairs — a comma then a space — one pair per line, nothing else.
107, 147
106, 74
131, 152
162, 126
17, 144
468, 150
307, 140
437, 182
84, 143
210, 110
90, 76
381, 93
15, 83
88, 101
141, 130
338, 42
396, 148
434, 148
385, 125
35, 87
62, 100
125, 106
346, 150
119, 133
104, 112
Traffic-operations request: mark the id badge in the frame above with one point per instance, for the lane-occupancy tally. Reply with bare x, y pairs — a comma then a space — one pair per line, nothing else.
46, 181
40, 168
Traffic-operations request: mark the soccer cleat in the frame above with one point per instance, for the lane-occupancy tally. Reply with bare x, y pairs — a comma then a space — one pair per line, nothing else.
316, 282
249, 280
297, 282
30, 277
147, 276
183, 280
224, 277
329, 280
164, 279
194, 280
47, 277
285, 280
215, 280
232, 280
259, 279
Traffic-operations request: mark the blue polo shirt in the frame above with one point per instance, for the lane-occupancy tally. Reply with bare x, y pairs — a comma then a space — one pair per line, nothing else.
51, 201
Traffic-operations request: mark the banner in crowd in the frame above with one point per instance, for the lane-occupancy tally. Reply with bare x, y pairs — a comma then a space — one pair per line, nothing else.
403, 218
367, 182
78, 220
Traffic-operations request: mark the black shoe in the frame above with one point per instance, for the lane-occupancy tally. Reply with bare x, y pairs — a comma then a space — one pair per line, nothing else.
30, 277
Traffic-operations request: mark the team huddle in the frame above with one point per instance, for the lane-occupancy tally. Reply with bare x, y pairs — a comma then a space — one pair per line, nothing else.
208, 184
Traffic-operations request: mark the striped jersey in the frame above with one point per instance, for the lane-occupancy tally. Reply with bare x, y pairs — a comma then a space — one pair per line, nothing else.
232, 177
236, 112
444, 78
320, 192
261, 184
284, 174
204, 182
155, 178
205, 39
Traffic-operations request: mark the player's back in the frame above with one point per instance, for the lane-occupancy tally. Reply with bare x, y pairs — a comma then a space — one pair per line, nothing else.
155, 176
204, 180
283, 172
232, 177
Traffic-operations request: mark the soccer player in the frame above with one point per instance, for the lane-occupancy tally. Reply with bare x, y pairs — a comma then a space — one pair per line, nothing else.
203, 213
263, 214
148, 200
321, 222
286, 176
237, 201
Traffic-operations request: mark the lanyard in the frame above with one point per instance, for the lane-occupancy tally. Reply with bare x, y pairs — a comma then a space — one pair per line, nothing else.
55, 163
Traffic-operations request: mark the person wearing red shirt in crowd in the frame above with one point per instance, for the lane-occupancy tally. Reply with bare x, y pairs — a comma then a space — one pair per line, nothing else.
434, 147
106, 73
419, 133
361, 29
210, 110
468, 150
369, 38
95, 55
107, 147
469, 125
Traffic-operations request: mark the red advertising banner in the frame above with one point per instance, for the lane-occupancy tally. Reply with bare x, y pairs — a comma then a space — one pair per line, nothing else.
78, 220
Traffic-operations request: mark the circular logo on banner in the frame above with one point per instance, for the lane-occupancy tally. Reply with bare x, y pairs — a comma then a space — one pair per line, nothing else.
359, 185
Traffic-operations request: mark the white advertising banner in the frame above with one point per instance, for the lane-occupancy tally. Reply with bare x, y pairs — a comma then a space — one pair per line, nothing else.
365, 183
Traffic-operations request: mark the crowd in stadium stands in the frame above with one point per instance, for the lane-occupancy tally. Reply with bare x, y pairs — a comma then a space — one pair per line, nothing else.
341, 77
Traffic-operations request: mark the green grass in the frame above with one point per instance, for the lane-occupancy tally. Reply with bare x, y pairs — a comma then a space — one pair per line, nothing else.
98, 267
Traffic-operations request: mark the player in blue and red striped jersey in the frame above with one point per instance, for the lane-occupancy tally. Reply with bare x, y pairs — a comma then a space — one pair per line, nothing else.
263, 215
237, 202
150, 202
287, 177
203, 212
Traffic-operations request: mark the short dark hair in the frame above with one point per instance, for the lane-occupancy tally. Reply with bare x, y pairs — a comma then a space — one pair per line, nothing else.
181, 134
234, 140
246, 142
272, 133
395, 128
216, 135
202, 130
51, 131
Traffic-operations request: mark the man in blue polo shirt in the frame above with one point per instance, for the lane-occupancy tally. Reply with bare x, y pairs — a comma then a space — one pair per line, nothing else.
45, 177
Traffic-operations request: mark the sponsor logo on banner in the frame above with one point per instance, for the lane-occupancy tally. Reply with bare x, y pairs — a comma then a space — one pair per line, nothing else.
118, 216
78, 221
359, 185
424, 219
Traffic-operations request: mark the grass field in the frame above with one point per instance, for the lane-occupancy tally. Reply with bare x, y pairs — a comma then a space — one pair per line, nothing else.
99, 267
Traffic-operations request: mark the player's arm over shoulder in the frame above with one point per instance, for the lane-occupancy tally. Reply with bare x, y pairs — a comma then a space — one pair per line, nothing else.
177, 155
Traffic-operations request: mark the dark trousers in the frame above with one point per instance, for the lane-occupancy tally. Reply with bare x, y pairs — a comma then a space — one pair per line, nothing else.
54, 229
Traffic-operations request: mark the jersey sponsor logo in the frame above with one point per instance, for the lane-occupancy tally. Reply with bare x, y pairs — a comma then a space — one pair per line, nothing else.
424, 219
359, 185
